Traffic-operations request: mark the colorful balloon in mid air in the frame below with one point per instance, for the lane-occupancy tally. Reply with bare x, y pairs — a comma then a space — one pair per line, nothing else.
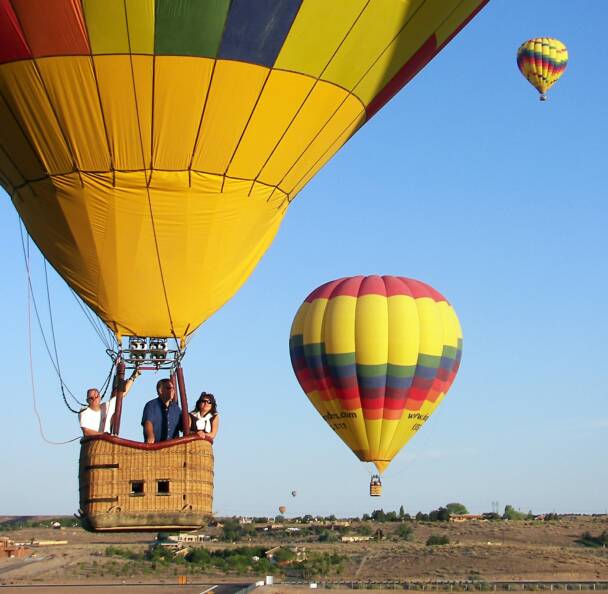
375, 356
294, 493
282, 509
542, 61
152, 147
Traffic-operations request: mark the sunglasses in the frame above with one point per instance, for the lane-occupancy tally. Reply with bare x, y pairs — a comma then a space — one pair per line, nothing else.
205, 401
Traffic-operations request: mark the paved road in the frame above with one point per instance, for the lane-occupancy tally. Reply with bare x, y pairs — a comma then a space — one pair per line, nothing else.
123, 589
14, 564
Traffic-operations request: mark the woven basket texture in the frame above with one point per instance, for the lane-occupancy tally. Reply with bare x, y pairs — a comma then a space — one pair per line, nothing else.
125, 487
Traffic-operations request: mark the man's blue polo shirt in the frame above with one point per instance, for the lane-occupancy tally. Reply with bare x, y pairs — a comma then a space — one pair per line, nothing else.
165, 421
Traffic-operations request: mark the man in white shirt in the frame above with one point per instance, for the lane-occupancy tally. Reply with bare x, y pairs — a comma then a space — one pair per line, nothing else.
97, 417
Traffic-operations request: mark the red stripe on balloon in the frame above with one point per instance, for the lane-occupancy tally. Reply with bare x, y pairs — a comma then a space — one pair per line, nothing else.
372, 414
53, 27
411, 404
419, 60
463, 25
393, 401
393, 414
345, 393
12, 41
372, 285
419, 289
350, 404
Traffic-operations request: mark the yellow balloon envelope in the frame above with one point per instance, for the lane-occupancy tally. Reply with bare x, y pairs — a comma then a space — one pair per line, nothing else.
375, 356
151, 147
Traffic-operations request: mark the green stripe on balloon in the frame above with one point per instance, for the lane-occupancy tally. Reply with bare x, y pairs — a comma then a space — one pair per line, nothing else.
189, 27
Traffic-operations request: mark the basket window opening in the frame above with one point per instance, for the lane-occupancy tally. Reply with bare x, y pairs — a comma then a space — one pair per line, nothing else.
137, 488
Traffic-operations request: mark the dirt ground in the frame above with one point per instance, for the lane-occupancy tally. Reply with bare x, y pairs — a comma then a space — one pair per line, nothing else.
479, 551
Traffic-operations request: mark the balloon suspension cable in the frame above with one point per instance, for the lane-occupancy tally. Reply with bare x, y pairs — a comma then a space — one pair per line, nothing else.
106, 384
32, 297
33, 382
98, 327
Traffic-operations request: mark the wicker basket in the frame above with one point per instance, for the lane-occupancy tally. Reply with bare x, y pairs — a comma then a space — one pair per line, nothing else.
128, 485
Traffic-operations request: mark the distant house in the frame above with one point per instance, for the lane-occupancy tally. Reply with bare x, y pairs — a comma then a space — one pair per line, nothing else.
466, 517
300, 553
187, 537
10, 550
354, 538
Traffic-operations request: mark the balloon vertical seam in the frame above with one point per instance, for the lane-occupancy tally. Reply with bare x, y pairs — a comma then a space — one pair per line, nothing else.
200, 121
101, 109
317, 79
34, 61
136, 102
236, 148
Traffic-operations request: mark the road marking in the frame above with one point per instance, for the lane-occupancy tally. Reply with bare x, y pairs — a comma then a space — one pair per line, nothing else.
208, 590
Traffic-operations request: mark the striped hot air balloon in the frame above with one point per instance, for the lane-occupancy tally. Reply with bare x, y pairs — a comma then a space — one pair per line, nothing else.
542, 61
375, 356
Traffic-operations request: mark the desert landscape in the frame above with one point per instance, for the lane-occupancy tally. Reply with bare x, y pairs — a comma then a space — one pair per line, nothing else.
477, 554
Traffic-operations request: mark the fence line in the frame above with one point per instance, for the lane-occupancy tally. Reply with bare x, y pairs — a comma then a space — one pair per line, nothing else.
457, 586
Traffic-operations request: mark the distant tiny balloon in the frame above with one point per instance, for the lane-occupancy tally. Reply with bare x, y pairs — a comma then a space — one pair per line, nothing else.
542, 61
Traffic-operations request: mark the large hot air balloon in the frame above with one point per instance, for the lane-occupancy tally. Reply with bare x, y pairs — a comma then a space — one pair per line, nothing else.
542, 61
152, 147
282, 509
375, 356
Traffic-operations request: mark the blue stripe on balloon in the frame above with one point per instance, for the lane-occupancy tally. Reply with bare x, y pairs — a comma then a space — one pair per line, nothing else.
423, 372
255, 30
399, 383
369, 383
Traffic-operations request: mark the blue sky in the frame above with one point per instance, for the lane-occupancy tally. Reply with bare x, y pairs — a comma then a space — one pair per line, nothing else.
465, 181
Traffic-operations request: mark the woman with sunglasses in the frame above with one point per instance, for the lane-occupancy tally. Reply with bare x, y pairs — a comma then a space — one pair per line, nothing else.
205, 418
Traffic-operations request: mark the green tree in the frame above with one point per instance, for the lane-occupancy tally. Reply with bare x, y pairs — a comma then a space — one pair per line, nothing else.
439, 515
589, 540
491, 516
401, 513
391, 516
232, 530
378, 515
328, 536
405, 532
364, 530
512, 514
437, 539
456, 508
284, 556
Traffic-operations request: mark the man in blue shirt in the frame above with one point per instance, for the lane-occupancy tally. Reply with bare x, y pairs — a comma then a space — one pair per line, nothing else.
162, 417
